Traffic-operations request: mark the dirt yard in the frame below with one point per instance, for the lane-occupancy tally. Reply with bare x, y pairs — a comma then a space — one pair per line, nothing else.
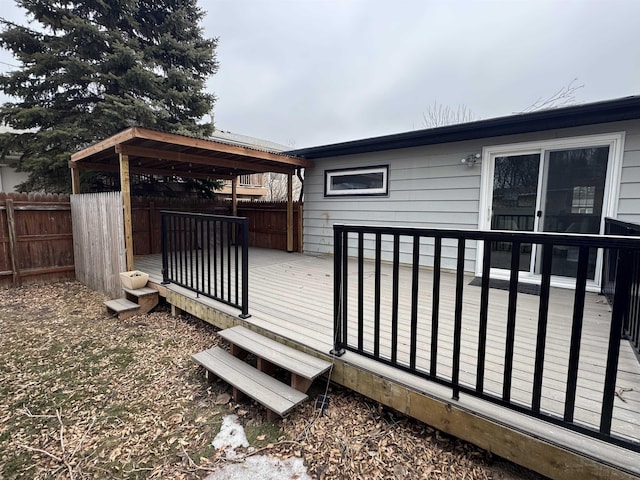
84, 395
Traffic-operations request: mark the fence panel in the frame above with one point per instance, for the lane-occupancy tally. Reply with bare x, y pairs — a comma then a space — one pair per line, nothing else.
267, 220
35, 238
98, 240
268, 224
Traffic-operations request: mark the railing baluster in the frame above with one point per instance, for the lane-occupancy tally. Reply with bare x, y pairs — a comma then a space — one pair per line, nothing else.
183, 241
196, 222
191, 263
511, 321
229, 242
164, 238
457, 326
345, 285
338, 341
376, 316
245, 269
209, 222
435, 306
176, 245
576, 334
394, 298
223, 227
216, 236
415, 271
541, 336
484, 313
236, 229
360, 290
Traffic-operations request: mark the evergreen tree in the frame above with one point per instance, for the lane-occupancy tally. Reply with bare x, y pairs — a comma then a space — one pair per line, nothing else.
91, 68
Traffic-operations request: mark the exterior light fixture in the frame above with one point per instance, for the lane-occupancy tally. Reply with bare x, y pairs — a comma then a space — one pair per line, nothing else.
471, 159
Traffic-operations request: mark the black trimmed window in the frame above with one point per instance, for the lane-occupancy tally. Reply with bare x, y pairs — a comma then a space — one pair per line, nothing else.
357, 181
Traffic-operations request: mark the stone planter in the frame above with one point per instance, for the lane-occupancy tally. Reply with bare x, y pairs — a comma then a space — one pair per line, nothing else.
134, 279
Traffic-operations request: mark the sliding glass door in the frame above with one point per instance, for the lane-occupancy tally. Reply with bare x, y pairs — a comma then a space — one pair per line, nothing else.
554, 189
515, 192
573, 194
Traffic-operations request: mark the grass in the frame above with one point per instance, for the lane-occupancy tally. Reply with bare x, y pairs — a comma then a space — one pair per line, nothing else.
131, 402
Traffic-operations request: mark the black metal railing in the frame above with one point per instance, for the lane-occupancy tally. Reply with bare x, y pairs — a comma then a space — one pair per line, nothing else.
439, 334
631, 324
208, 254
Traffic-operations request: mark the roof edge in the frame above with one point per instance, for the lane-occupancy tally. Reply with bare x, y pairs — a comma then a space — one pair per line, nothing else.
625, 108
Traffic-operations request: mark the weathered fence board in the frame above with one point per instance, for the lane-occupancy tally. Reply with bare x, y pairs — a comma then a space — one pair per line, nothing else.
98, 240
35, 238
267, 221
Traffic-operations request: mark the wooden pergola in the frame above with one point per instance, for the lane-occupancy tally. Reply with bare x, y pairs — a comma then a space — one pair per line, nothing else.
144, 151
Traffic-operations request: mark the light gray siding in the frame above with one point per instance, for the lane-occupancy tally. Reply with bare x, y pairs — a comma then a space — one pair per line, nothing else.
9, 178
629, 197
430, 188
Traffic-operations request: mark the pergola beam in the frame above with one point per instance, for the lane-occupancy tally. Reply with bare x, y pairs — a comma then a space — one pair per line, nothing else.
107, 167
212, 162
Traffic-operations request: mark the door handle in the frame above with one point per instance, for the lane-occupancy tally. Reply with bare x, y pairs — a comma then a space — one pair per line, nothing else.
539, 213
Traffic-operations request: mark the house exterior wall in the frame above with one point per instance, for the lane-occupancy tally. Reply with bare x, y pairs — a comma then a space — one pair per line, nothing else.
9, 178
430, 188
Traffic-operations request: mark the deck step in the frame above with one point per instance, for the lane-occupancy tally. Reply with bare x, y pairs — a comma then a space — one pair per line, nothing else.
122, 307
141, 292
136, 302
304, 368
264, 389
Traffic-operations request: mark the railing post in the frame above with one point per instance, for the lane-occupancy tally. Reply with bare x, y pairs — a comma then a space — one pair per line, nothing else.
338, 344
165, 248
245, 268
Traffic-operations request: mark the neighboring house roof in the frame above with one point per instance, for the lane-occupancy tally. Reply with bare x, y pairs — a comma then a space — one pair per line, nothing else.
247, 141
627, 108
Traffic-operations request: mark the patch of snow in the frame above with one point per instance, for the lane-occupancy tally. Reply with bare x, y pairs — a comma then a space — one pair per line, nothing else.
264, 467
230, 437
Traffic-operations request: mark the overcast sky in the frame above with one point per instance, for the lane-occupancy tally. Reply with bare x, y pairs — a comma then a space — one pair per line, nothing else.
303, 72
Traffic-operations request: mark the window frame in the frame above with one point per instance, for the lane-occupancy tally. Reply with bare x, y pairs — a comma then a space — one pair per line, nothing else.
359, 192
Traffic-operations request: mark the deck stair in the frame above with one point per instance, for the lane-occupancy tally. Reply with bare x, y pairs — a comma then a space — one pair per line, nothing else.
135, 302
258, 383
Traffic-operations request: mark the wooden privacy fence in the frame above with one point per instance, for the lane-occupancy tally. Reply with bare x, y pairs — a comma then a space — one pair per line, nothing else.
268, 224
98, 240
36, 243
267, 221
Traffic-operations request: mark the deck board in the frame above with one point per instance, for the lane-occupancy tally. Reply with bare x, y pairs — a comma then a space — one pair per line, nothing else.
292, 295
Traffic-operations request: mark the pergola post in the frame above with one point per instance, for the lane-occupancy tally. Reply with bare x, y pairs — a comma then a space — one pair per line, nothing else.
75, 180
234, 196
290, 212
125, 188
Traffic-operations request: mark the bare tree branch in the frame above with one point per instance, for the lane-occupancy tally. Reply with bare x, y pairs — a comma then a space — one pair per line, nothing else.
438, 115
276, 184
563, 97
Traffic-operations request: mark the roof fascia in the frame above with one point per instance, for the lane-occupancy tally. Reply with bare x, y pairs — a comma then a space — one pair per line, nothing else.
600, 112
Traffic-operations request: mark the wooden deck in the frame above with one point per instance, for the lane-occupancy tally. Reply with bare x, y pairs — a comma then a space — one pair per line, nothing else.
291, 295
